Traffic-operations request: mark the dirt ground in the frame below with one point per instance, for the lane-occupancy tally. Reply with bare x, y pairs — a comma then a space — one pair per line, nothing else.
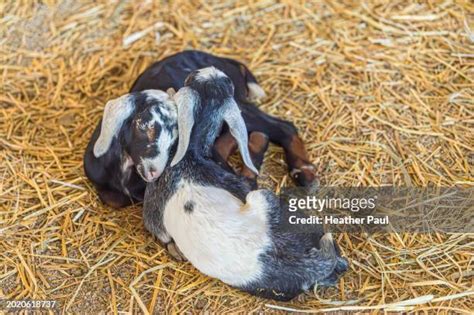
381, 91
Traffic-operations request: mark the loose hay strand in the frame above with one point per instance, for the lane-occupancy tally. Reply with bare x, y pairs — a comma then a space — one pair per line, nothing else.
382, 93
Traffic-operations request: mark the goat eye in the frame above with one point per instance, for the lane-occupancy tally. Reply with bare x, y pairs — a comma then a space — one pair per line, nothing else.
151, 133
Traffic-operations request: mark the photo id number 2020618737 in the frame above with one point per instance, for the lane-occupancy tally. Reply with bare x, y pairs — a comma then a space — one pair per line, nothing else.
28, 304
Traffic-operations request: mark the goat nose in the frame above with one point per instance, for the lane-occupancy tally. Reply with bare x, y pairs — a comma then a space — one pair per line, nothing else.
155, 174
152, 174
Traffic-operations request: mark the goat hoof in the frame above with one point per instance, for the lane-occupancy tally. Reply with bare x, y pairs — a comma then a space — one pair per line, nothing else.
305, 175
174, 252
114, 199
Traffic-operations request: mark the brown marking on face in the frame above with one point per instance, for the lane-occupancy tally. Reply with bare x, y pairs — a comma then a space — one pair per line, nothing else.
151, 133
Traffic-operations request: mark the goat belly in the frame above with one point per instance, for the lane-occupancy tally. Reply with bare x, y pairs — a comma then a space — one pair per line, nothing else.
215, 234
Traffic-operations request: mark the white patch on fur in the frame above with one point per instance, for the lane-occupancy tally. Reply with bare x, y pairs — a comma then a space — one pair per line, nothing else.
158, 95
221, 236
164, 143
115, 113
126, 168
166, 139
255, 91
327, 237
167, 108
127, 162
208, 73
171, 92
327, 245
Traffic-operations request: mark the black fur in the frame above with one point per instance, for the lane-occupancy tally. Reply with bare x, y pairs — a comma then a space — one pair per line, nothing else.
189, 206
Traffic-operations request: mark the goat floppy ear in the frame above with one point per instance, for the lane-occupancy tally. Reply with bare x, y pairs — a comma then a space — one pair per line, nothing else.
237, 128
187, 100
115, 113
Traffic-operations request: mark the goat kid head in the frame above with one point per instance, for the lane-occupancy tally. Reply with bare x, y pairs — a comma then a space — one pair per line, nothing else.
209, 91
151, 134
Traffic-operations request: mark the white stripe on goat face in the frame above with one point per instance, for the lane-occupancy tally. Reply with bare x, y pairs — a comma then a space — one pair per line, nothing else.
154, 167
150, 168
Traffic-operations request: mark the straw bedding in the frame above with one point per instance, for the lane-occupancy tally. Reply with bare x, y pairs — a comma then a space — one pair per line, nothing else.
382, 93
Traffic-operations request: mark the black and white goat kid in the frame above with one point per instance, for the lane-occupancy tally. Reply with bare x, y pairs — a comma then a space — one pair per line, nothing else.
222, 227
131, 145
